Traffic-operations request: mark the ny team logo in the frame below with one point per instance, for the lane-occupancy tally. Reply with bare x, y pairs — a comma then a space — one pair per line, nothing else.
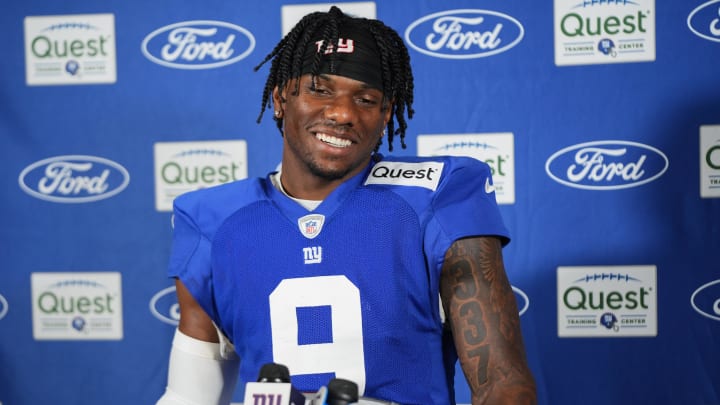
70, 49
589, 32
495, 149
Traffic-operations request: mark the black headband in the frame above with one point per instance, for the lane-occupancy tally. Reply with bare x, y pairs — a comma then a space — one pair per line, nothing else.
356, 57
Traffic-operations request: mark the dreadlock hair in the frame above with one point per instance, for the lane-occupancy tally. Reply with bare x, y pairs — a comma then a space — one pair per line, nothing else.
397, 78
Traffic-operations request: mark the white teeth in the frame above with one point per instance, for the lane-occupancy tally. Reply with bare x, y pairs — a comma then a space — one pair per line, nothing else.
337, 142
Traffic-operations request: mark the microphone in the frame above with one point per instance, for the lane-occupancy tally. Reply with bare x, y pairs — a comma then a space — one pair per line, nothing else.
273, 388
337, 392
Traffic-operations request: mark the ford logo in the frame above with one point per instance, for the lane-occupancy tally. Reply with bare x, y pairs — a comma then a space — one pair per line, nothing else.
522, 300
3, 307
606, 165
706, 300
704, 21
74, 179
164, 306
464, 34
198, 44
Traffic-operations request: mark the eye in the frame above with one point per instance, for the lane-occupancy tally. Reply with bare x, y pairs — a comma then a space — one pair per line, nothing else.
367, 100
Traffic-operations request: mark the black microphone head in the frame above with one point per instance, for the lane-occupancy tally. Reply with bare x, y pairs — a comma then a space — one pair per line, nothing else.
341, 392
273, 372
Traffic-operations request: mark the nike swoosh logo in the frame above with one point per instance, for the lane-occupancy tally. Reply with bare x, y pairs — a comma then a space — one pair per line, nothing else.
489, 188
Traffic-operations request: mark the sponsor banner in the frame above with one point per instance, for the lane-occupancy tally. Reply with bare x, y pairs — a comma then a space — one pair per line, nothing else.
197, 45
164, 306
706, 300
606, 165
607, 301
74, 179
590, 32
291, 14
710, 161
77, 306
4, 307
185, 166
704, 21
425, 175
70, 49
495, 149
464, 34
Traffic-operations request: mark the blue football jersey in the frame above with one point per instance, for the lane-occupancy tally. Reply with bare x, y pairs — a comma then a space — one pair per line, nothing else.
348, 290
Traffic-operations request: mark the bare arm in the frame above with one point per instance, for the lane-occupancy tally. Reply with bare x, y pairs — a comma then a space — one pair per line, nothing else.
194, 322
481, 309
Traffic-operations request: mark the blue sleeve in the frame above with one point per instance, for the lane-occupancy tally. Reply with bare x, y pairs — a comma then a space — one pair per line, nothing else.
190, 259
465, 206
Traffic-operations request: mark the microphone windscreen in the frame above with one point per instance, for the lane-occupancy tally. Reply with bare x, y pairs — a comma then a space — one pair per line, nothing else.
273, 372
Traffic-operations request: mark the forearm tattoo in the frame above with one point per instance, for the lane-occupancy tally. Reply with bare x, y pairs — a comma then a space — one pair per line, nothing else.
481, 309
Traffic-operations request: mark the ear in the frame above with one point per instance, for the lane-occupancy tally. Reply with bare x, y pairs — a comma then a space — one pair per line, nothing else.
278, 101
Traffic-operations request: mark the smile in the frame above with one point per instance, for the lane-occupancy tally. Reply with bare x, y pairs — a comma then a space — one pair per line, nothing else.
333, 141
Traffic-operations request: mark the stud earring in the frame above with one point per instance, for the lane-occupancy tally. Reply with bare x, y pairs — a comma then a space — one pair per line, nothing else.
277, 113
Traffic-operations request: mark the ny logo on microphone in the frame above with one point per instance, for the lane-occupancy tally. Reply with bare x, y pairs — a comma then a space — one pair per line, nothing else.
267, 399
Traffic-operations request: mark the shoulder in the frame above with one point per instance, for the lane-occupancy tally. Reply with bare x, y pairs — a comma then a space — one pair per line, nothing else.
221, 200
427, 172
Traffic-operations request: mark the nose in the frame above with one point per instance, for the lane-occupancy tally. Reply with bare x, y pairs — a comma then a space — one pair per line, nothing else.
341, 110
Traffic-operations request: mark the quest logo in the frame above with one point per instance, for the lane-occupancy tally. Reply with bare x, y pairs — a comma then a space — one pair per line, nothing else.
77, 306
606, 165
198, 45
164, 306
495, 149
74, 179
464, 34
706, 300
704, 21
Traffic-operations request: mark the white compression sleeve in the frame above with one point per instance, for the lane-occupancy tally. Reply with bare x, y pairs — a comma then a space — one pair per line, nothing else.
199, 374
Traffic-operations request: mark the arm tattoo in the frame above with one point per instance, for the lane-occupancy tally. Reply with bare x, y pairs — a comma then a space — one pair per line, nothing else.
481, 310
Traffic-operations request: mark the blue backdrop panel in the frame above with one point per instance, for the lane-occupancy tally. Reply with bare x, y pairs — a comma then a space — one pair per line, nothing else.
88, 107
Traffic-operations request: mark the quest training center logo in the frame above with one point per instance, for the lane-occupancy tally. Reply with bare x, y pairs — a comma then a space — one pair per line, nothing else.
710, 161
706, 300
589, 32
464, 34
74, 179
495, 149
77, 306
607, 301
198, 45
70, 49
704, 21
186, 166
606, 165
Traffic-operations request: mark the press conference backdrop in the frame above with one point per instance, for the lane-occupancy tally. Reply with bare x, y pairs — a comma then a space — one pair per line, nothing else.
599, 118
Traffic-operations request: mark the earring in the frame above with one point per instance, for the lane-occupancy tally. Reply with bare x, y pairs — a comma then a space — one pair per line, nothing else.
277, 113
384, 132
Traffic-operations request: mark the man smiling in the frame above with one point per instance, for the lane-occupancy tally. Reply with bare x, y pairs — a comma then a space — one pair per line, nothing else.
344, 263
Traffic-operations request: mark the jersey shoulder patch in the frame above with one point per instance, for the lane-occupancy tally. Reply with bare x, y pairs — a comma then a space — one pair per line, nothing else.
402, 173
